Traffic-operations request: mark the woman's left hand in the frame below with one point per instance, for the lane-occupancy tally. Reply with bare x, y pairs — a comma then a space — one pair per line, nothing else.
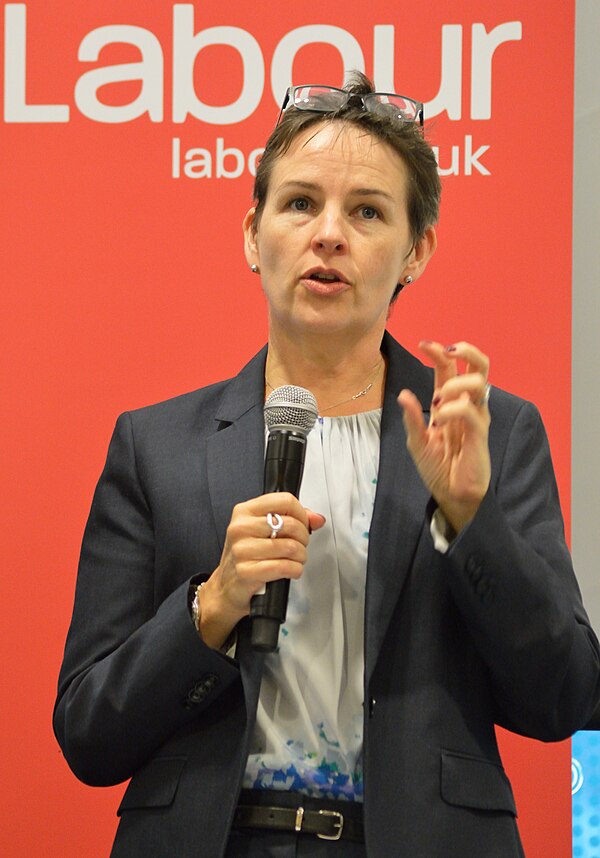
451, 453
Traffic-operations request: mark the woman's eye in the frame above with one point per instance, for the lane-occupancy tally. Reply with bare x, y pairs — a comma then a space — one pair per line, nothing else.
368, 212
300, 204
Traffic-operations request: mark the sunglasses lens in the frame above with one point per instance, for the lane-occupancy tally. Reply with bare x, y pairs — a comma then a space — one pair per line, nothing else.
393, 105
321, 98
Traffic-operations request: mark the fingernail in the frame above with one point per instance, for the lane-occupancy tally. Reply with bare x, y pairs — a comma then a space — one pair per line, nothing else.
434, 423
450, 348
436, 400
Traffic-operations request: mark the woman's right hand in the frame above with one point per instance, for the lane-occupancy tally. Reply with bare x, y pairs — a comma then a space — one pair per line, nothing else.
251, 558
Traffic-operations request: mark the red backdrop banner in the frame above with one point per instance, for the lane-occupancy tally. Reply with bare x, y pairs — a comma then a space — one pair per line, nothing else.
130, 133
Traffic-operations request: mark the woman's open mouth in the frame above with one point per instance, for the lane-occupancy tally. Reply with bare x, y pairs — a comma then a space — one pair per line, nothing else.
325, 282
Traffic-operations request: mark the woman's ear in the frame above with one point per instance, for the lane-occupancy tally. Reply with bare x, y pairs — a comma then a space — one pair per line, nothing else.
250, 245
420, 255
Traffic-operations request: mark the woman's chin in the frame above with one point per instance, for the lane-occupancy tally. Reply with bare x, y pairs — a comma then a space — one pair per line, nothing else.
311, 325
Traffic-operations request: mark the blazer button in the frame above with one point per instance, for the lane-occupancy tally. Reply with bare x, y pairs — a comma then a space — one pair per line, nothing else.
474, 569
372, 704
201, 689
485, 591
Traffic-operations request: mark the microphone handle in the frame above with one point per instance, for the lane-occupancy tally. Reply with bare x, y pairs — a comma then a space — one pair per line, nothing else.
284, 464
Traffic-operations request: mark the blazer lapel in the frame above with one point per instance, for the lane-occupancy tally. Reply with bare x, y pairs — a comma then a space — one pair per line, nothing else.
235, 467
401, 498
236, 451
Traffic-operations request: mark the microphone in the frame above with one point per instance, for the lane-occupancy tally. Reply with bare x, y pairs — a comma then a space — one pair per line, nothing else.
290, 414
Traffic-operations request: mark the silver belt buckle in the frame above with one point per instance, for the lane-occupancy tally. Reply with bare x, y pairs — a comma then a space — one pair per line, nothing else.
339, 824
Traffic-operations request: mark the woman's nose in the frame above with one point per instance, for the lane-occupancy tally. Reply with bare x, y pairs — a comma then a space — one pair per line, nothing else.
329, 235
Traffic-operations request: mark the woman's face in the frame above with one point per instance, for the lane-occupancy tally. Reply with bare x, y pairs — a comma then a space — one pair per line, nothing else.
334, 238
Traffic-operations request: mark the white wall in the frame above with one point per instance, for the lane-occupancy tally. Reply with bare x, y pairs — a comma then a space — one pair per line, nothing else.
586, 308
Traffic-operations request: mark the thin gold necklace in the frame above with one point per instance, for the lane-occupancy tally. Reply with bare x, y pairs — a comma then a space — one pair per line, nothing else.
358, 395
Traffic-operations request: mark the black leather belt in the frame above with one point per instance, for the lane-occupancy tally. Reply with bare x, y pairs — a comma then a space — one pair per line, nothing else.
335, 820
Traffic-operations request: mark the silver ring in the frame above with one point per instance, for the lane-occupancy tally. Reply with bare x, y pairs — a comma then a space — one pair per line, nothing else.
486, 395
275, 522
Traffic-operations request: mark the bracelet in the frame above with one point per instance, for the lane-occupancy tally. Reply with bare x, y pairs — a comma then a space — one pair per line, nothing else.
231, 640
196, 607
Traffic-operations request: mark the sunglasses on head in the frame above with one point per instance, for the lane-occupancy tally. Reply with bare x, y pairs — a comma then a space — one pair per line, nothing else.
328, 99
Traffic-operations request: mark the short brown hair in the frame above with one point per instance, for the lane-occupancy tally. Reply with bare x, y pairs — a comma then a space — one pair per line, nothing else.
406, 138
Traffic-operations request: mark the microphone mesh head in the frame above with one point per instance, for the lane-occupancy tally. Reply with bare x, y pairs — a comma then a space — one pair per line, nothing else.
291, 407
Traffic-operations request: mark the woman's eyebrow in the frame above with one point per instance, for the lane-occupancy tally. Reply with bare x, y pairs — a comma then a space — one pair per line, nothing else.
370, 192
297, 183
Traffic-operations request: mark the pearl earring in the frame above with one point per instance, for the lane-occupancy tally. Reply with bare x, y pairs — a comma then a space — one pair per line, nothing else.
254, 269
408, 280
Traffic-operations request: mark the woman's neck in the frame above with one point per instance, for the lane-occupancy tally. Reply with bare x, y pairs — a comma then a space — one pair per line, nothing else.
345, 380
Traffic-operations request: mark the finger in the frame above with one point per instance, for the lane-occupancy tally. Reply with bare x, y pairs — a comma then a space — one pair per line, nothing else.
315, 520
414, 422
256, 550
473, 384
259, 573
462, 409
252, 575
283, 503
475, 359
444, 364
243, 525
286, 525
449, 425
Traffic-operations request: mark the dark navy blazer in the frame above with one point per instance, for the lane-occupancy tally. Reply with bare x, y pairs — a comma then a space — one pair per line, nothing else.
493, 632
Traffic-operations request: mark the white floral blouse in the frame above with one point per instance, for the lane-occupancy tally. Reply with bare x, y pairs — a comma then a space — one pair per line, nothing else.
308, 735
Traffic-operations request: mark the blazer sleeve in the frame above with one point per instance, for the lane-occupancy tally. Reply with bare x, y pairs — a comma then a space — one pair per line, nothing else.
133, 673
511, 576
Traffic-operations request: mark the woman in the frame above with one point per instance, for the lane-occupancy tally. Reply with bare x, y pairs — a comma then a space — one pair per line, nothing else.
432, 592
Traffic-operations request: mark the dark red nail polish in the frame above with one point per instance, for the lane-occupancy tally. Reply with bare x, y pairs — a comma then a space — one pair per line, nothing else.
450, 348
436, 400
434, 423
